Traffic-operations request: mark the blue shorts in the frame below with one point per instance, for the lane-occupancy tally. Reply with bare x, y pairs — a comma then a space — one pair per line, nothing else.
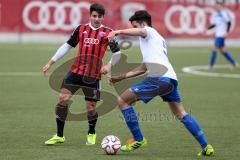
151, 87
219, 42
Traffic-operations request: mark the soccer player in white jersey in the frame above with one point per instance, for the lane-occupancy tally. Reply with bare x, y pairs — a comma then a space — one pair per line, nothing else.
222, 24
161, 81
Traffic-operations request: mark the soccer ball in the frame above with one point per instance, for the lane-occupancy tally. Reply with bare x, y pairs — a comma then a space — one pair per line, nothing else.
110, 144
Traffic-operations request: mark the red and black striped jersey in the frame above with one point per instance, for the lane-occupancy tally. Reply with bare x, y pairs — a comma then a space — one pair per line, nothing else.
92, 44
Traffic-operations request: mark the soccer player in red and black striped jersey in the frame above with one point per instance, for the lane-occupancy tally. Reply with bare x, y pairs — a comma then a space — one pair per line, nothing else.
86, 70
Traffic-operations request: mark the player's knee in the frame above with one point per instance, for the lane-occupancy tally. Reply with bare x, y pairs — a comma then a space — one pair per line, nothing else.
180, 115
63, 99
122, 104
91, 107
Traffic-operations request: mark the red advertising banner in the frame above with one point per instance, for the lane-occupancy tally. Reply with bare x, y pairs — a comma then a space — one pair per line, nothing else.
172, 20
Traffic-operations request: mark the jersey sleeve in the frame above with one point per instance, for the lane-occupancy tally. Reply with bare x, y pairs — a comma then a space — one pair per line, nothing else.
61, 52
74, 38
149, 32
114, 46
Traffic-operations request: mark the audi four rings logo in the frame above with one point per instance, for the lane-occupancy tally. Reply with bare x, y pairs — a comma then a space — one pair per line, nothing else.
192, 19
59, 14
91, 41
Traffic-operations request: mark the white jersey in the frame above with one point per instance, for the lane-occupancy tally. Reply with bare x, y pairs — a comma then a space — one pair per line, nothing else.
221, 20
154, 51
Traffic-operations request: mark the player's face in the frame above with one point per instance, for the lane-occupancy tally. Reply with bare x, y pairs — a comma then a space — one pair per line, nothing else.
96, 19
135, 24
218, 7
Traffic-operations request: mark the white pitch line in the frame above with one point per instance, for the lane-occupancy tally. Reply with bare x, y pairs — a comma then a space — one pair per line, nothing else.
191, 70
202, 71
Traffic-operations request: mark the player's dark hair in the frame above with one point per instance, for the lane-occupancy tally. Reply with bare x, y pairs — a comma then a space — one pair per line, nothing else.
220, 3
98, 8
141, 15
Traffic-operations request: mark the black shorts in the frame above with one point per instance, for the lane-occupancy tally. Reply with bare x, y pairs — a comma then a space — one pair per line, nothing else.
90, 86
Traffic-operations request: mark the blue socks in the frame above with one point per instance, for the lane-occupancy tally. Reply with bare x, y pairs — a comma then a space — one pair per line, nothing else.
225, 54
193, 127
189, 122
213, 58
132, 122
229, 58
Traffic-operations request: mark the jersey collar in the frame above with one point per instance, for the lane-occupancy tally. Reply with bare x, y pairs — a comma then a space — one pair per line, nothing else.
94, 27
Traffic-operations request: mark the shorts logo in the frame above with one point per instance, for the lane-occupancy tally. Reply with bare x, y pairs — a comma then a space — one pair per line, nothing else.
136, 89
95, 94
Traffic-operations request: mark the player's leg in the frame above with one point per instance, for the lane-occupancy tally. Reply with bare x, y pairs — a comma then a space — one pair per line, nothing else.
92, 95
68, 88
125, 103
92, 116
214, 54
189, 122
174, 100
61, 111
192, 126
227, 55
144, 91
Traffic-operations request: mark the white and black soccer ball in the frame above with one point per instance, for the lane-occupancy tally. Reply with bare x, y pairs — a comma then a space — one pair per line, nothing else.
111, 144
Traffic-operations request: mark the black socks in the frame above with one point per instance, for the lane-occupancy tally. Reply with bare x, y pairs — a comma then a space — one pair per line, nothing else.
61, 115
92, 120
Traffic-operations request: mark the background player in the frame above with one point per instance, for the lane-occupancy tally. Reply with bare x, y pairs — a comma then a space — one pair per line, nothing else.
154, 52
222, 24
85, 72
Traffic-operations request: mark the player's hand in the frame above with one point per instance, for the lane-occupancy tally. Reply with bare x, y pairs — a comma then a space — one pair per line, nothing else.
111, 35
105, 69
115, 79
46, 68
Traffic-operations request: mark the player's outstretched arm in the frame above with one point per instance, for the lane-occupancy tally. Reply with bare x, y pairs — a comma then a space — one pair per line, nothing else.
59, 54
135, 72
129, 32
205, 31
211, 26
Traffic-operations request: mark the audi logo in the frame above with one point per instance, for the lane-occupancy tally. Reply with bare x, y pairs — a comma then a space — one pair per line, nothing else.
192, 19
91, 41
44, 16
